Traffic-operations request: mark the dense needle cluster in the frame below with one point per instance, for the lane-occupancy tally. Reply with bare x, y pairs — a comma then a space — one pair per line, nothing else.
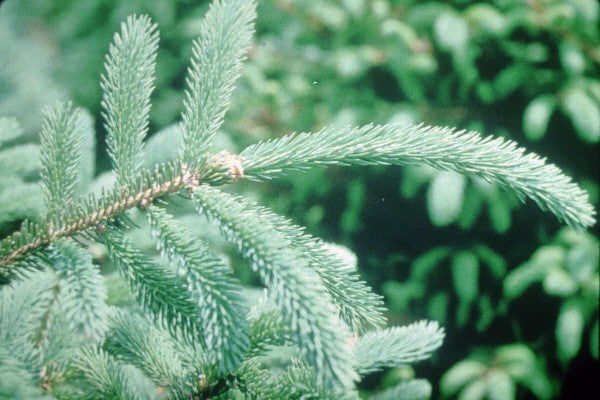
194, 334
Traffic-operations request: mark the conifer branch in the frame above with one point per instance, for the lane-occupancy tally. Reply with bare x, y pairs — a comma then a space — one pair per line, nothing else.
290, 281
495, 159
21, 305
45, 320
525, 174
135, 340
300, 381
105, 375
82, 290
357, 304
158, 289
16, 380
255, 381
195, 298
396, 346
61, 141
127, 85
220, 310
225, 36
267, 329
88, 213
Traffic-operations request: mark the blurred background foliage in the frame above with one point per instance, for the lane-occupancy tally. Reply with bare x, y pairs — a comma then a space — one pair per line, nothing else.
517, 293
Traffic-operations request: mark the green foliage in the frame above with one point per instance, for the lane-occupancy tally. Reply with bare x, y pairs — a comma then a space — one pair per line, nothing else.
60, 158
504, 163
392, 63
127, 86
396, 346
267, 328
219, 302
568, 268
415, 389
465, 269
157, 287
495, 376
107, 377
358, 306
140, 343
82, 288
225, 36
286, 273
184, 330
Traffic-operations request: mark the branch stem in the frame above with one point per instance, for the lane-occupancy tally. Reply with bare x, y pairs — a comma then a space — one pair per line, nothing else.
44, 235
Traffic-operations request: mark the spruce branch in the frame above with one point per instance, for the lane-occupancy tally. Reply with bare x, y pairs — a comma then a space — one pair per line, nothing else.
195, 297
105, 375
57, 347
293, 285
225, 36
255, 381
16, 381
21, 305
61, 141
133, 339
158, 288
396, 346
48, 313
127, 85
221, 312
495, 159
82, 290
300, 381
267, 328
88, 213
357, 304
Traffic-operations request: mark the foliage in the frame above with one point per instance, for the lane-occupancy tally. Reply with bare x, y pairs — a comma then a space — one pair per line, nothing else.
567, 267
394, 61
495, 376
197, 305
319, 52
465, 269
